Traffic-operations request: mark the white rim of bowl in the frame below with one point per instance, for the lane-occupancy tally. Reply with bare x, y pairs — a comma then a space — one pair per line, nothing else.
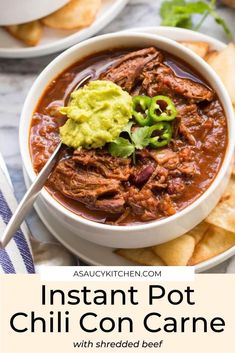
130, 228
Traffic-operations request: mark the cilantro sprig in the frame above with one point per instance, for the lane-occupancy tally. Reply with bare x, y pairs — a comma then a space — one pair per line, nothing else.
178, 13
138, 139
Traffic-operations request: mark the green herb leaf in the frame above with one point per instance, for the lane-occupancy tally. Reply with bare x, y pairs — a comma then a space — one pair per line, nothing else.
192, 8
218, 19
167, 5
178, 20
178, 13
121, 147
128, 127
171, 18
140, 137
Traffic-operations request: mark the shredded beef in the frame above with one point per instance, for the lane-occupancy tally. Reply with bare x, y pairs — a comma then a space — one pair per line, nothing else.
214, 112
143, 203
166, 157
104, 163
109, 184
176, 187
190, 122
144, 71
214, 109
126, 72
185, 132
158, 179
160, 79
88, 187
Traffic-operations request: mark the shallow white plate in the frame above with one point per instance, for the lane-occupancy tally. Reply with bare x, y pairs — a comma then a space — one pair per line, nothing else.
99, 255
56, 40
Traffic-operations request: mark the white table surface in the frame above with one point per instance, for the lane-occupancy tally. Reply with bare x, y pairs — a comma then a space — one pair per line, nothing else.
17, 76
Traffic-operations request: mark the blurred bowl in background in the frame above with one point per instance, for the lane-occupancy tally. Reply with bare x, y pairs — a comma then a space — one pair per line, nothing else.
15, 11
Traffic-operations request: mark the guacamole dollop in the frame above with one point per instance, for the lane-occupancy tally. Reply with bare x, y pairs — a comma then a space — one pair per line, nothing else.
97, 113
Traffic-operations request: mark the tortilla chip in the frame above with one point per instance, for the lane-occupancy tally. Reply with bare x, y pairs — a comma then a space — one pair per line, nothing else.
143, 256
224, 65
200, 48
198, 232
223, 214
76, 14
233, 170
215, 241
211, 55
30, 33
176, 252
233, 161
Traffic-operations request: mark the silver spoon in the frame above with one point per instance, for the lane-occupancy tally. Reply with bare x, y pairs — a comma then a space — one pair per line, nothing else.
29, 198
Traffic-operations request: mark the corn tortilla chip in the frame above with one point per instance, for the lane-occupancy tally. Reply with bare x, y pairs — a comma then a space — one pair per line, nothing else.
176, 252
200, 48
76, 14
233, 170
223, 214
215, 241
143, 256
29, 33
211, 55
198, 232
224, 65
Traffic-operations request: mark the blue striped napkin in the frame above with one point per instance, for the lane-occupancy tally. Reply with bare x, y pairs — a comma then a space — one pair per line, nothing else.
17, 256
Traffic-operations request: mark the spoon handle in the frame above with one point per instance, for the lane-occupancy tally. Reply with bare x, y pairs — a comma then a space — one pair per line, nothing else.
28, 200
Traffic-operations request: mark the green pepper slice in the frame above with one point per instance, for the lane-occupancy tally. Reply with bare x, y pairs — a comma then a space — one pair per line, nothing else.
162, 108
163, 138
141, 105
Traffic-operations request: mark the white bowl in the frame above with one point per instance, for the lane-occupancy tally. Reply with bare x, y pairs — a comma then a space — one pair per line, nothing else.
20, 11
146, 234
